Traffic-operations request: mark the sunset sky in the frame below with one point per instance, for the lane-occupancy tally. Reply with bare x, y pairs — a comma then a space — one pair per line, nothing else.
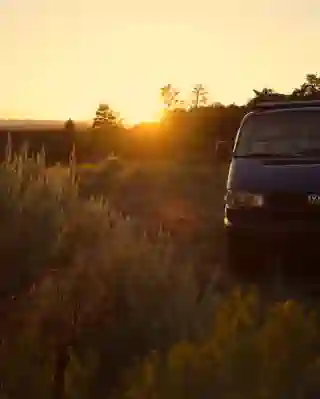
59, 58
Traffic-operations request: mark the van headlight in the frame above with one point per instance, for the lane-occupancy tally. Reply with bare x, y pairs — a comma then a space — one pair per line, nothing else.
243, 199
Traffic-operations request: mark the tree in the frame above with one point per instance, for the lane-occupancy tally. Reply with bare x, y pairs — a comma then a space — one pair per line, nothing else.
310, 88
170, 96
199, 93
266, 94
69, 125
104, 115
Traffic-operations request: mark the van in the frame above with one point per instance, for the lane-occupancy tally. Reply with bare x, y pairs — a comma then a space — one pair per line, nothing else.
272, 201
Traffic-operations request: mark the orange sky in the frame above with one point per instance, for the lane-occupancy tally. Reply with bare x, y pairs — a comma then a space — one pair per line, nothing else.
60, 58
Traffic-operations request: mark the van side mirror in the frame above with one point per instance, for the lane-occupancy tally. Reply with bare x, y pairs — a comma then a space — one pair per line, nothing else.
223, 151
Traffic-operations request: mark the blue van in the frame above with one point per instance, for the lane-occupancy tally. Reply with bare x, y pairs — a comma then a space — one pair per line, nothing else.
272, 201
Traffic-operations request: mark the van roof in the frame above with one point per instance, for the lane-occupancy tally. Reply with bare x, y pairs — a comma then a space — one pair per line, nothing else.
270, 105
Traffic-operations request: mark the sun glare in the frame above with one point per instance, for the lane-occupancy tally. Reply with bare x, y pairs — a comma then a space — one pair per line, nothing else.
139, 108
143, 58
139, 115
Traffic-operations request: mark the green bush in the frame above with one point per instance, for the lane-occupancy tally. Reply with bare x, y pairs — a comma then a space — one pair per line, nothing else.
99, 180
91, 305
251, 352
80, 283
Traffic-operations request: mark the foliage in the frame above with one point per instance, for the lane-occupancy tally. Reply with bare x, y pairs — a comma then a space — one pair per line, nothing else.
104, 115
96, 300
81, 284
200, 94
169, 95
251, 351
69, 125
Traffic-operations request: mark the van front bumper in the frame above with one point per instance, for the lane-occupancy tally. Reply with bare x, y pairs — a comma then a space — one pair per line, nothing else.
273, 237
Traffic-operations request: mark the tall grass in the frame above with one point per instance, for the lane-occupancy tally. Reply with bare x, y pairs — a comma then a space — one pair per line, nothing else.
250, 352
84, 291
92, 306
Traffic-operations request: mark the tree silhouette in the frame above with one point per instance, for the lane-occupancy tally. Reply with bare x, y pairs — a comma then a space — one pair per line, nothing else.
169, 95
266, 94
69, 125
199, 94
104, 115
310, 88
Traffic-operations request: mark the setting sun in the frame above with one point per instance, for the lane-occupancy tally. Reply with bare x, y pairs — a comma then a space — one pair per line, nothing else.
142, 109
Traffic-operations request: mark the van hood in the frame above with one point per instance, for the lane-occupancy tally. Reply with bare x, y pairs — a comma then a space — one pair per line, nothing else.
266, 175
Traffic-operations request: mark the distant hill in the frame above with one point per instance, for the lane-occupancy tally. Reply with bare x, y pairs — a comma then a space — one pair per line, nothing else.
29, 124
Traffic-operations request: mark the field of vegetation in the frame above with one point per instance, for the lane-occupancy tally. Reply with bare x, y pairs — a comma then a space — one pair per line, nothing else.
111, 285
99, 300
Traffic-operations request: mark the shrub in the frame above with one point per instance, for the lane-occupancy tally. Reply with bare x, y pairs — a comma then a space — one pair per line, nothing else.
83, 289
99, 180
92, 306
250, 353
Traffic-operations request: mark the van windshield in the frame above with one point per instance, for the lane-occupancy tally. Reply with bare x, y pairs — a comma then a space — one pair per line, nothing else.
280, 133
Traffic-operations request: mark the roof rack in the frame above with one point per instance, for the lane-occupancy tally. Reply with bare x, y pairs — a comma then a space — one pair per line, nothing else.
267, 105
